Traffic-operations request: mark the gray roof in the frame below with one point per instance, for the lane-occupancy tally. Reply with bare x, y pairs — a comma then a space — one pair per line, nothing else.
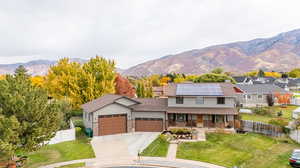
260, 89
102, 101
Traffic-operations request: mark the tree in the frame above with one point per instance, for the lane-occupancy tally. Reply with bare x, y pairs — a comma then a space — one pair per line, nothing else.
211, 77
27, 118
2, 77
217, 71
37, 81
123, 87
270, 99
81, 83
144, 88
251, 74
261, 73
272, 74
295, 73
283, 99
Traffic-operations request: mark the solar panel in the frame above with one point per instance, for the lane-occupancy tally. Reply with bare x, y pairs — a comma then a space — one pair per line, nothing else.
199, 90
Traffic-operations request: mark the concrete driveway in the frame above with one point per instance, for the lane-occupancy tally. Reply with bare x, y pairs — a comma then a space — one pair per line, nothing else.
122, 147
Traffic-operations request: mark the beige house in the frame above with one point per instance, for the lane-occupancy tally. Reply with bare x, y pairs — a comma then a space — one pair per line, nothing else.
186, 105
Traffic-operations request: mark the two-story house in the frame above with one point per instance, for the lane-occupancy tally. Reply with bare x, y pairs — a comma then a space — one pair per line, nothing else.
186, 105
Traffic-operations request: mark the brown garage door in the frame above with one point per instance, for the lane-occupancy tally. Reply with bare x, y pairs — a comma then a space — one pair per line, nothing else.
149, 124
112, 124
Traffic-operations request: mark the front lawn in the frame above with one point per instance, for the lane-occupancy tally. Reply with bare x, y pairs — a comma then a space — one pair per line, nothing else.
286, 114
159, 147
65, 151
75, 165
246, 150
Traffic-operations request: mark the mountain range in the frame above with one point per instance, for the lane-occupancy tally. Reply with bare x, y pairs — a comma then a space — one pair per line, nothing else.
278, 53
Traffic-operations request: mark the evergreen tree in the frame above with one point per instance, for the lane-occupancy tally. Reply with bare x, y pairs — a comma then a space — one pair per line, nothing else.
27, 118
261, 73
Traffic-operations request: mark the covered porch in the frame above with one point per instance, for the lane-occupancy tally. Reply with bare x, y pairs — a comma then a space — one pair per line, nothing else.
202, 117
200, 120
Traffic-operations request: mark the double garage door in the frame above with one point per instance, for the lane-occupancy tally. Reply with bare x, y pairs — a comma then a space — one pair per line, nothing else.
148, 125
116, 124
112, 124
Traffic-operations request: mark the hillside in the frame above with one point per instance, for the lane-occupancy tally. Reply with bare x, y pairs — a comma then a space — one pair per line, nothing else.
279, 53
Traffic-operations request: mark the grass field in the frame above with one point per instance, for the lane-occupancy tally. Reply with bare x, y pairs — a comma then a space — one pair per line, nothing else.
66, 151
286, 113
159, 147
245, 150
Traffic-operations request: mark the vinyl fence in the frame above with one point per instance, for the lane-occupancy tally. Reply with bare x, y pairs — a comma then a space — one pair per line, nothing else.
295, 135
64, 135
262, 128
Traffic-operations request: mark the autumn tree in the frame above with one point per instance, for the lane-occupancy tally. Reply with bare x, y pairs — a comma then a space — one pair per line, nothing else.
295, 73
27, 118
37, 81
123, 87
144, 88
81, 83
283, 98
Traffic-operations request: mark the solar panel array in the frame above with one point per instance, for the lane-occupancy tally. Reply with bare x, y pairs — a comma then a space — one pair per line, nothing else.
199, 90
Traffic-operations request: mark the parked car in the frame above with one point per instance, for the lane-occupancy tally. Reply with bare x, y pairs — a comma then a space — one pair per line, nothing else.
295, 158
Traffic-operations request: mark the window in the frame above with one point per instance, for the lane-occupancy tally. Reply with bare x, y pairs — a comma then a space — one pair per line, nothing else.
220, 100
260, 96
248, 96
179, 100
199, 100
180, 117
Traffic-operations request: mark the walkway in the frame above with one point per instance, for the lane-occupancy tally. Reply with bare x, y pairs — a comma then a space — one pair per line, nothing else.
172, 151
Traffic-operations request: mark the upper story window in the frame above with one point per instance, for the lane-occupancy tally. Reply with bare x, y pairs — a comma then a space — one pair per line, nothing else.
220, 100
199, 100
179, 100
260, 96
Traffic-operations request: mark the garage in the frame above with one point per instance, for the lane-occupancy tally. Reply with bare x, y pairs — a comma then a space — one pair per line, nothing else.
112, 124
148, 124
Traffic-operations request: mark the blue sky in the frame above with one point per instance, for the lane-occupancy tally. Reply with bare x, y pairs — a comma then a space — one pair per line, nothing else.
134, 31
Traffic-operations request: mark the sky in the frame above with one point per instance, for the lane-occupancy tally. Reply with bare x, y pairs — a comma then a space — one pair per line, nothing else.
134, 31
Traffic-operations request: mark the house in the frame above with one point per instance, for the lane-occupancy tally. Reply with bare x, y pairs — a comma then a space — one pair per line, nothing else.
243, 80
186, 105
256, 94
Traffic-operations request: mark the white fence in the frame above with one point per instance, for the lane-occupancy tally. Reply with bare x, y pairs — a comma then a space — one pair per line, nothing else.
295, 135
64, 135
296, 101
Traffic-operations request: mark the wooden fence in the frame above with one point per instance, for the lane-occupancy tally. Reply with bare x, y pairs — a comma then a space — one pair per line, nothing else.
262, 128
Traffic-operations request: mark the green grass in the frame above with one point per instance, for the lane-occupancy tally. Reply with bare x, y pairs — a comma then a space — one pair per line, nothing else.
65, 151
159, 147
246, 150
75, 165
286, 113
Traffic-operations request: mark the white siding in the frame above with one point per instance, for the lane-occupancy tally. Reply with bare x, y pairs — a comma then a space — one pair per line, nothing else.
148, 115
208, 102
112, 109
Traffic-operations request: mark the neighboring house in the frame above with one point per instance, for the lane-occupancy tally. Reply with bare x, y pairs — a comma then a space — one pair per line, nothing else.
256, 94
263, 80
243, 80
158, 91
294, 84
192, 105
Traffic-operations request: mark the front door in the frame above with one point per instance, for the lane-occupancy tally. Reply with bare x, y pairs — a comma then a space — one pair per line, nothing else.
199, 120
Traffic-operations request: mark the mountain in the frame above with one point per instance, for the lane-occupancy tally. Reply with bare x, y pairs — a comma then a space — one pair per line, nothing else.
38, 67
278, 53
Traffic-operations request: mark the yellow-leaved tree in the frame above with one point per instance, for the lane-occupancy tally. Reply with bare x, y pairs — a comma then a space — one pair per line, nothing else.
81, 83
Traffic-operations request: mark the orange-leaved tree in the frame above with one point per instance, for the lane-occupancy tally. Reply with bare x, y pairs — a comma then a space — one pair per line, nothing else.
123, 86
283, 98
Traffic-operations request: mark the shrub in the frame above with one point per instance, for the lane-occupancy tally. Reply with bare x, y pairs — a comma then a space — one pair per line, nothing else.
77, 113
180, 131
78, 123
262, 111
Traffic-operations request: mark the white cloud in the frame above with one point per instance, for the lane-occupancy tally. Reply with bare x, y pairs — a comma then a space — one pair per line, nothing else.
133, 31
